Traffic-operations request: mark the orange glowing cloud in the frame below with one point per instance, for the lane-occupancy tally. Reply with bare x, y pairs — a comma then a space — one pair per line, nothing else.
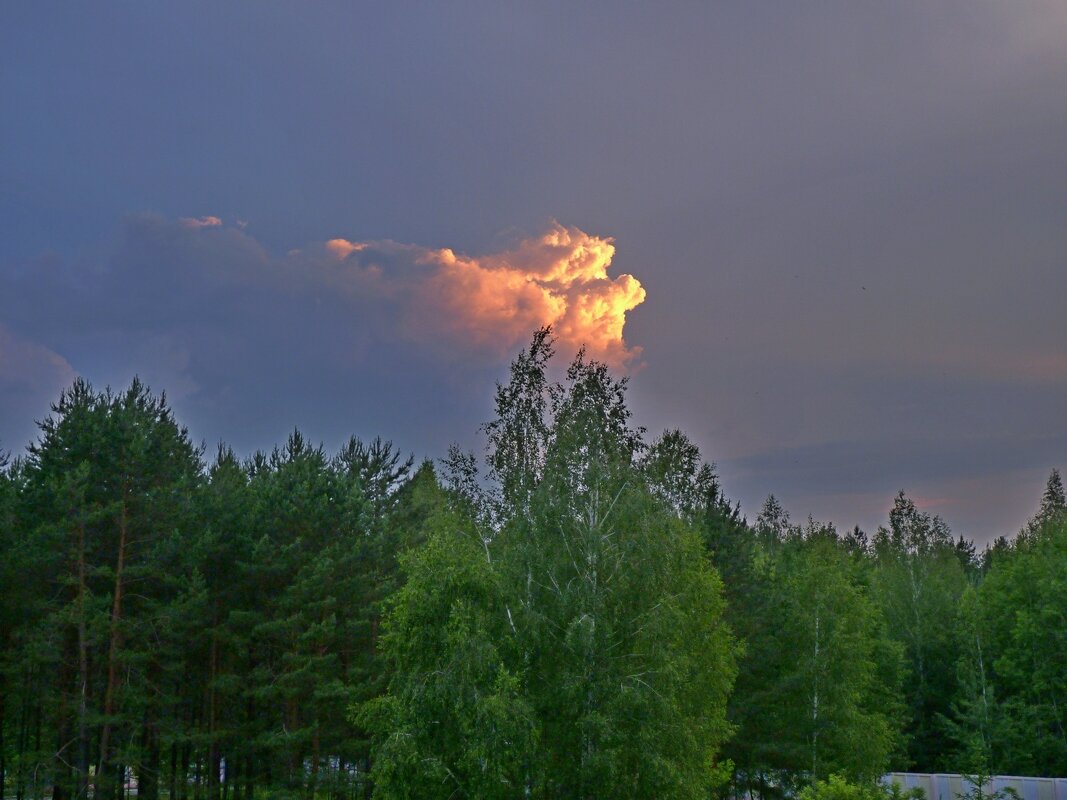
200, 222
559, 278
342, 248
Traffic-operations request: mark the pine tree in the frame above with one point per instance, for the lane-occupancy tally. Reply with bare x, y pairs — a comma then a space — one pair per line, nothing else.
209, 664
13, 608
1053, 501
108, 481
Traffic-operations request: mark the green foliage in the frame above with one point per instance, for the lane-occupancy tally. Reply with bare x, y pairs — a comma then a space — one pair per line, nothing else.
570, 624
918, 580
577, 648
980, 789
519, 435
837, 787
975, 723
1023, 607
105, 491
187, 619
819, 687
454, 723
1053, 502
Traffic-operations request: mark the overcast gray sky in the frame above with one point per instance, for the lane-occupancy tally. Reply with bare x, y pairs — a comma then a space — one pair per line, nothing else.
845, 226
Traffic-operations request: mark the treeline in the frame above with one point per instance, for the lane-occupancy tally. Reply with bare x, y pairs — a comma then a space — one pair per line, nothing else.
582, 614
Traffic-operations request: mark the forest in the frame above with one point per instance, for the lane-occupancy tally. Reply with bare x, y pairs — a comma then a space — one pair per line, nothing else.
578, 612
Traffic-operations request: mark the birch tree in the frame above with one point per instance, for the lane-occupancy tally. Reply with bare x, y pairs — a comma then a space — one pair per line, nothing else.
576, 649
918, 581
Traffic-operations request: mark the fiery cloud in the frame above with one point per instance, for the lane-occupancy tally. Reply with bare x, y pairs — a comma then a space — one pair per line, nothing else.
559, 278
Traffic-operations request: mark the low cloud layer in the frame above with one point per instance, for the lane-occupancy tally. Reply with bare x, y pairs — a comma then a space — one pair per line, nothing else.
27, 366
31, 376
199, 308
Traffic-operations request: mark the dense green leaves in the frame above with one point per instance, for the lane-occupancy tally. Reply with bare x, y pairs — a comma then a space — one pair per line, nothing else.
576, 648
918, 581
454, 722
592, 618
819, 685
204, 629
1023, 615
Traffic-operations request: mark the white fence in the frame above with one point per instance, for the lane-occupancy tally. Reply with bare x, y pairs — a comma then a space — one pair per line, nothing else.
950, 787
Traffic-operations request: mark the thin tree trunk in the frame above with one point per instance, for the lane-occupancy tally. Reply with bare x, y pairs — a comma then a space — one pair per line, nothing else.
986, 715
148, 774
185, 757
118, 781
173, 770
198, 784
3, 761
60, 767
250, 760
115, 641
37, 712
314, 763
213, 754
81, 790
21, 744
291, 716
815, 702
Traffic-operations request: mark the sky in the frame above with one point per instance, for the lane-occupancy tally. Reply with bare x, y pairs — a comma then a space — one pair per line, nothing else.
828, 240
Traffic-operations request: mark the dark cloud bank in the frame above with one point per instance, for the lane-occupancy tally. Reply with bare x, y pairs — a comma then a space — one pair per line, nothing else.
338, 337
848, 219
